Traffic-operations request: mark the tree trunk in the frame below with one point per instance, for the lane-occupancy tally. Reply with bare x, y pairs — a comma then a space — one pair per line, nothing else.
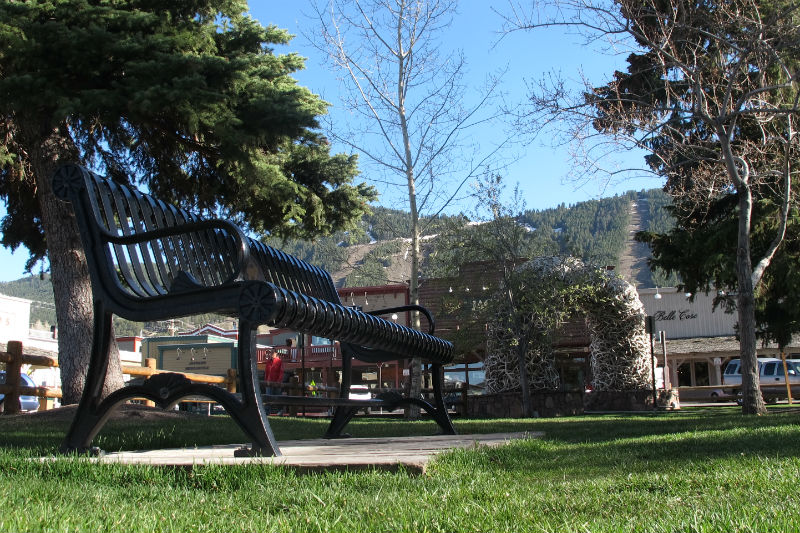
752, 402
525, 386
68, 269
415, 377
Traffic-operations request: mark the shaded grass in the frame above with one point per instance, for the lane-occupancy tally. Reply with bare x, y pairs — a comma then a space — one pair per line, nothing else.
692, 470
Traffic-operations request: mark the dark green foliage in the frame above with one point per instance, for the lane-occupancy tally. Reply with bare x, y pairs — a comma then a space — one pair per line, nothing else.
184, 97
384, 224
594, 230
658, 221
778, 297
369, 273
701, 250
373, 267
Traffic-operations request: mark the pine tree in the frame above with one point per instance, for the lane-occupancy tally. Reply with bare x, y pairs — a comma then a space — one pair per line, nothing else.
184, 97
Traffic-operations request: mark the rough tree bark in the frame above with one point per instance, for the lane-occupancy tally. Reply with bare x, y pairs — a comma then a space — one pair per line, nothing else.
68, 269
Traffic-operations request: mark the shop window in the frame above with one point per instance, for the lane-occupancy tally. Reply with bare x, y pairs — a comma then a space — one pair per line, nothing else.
700, 373
572, 377
685, 375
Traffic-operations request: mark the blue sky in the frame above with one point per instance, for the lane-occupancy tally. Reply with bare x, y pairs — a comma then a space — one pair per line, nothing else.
539, 169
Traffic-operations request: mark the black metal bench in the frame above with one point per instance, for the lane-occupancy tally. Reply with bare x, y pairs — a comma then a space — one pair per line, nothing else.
149, 260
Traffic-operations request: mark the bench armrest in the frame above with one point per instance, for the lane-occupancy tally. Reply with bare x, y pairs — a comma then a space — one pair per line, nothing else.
404, 308
242, 246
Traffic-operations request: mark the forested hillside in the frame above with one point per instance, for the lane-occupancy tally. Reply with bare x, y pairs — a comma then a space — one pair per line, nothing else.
658, 221
593, 230
378, 252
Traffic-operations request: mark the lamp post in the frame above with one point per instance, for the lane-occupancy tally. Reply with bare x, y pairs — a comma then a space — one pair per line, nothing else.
650, 324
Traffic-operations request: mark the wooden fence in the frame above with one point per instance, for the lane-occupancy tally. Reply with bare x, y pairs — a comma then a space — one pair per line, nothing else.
14, 358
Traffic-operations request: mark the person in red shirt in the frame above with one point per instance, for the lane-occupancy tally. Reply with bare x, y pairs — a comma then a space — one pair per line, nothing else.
275, 372
275, 375
267, 366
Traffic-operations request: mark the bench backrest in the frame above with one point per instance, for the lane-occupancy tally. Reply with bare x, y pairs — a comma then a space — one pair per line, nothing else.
213, 253
150, 252
289, 272
133, 243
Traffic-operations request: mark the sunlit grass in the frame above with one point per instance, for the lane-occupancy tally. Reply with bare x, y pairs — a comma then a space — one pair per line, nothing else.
692, 470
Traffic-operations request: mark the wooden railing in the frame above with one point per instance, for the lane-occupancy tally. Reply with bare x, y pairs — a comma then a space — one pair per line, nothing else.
14, 358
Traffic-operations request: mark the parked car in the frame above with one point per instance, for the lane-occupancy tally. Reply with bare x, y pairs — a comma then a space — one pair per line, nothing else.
771, 377
360, 392
716, 394
27, 403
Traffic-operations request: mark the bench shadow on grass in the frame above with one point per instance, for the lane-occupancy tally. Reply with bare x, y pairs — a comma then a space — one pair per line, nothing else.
694, 433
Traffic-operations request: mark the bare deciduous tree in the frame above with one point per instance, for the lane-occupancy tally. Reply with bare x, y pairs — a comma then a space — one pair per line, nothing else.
408, 104
711, 92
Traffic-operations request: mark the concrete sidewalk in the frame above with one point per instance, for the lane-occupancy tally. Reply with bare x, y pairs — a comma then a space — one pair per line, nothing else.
411, 454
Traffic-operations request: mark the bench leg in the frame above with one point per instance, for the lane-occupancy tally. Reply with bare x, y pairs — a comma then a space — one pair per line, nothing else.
88, 418
93, 412
252, 417
342, 415
440, 415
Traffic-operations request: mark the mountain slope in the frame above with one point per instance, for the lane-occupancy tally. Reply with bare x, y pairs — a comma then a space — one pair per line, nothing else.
598, 231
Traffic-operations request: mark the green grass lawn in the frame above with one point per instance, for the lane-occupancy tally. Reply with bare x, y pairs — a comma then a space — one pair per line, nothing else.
691, 470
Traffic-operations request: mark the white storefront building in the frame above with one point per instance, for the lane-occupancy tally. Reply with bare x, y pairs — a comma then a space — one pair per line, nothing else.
15, 320
700, 340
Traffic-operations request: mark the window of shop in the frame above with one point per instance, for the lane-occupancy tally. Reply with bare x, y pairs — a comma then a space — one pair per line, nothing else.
701, 373
685, 375
572, 377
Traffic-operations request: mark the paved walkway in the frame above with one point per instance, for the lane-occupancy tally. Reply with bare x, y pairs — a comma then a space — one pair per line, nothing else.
385, 453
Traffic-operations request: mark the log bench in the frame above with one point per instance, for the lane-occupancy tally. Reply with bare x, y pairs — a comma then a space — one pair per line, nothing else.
149, 260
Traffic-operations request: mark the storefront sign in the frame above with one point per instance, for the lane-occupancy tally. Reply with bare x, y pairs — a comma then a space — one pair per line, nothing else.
684, 314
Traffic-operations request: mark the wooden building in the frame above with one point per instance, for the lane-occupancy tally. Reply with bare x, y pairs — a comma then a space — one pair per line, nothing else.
699, 340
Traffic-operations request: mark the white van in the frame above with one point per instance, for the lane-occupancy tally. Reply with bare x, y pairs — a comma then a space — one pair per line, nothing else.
771, 377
